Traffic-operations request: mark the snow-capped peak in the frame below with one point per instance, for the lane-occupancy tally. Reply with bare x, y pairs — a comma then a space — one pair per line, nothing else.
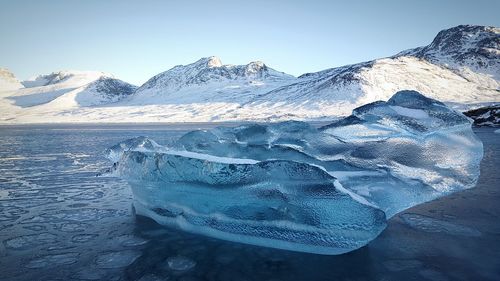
255, 67
464, 48
73, 77
6, 74
213, 61
8, 81
211, 70
105, 90
464, 39
204, 62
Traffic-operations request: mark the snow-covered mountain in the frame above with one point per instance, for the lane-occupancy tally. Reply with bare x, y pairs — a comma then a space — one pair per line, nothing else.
66, 89
103, 91
460, 67
339, 90
210, 70
8, 81
208, 80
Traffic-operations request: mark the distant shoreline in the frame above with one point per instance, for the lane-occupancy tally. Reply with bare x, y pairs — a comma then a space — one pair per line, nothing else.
180, 125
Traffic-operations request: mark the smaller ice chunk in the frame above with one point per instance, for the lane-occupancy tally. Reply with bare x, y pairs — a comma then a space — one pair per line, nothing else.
117, 259
53, 260
30, 241
180, 263
83, 238
131, 240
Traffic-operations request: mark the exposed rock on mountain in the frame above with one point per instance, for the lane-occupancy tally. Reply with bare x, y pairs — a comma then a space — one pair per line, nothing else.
485, 116
472, 47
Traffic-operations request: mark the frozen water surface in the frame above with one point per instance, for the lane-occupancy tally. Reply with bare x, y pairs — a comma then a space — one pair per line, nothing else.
428, 224
30, 241
39, 180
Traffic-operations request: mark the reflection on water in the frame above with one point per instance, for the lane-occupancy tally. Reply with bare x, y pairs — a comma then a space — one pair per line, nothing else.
60, 222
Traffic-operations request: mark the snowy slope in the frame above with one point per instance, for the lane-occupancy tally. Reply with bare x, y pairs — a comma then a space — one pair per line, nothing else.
46, 88
103, 91
69, 89
8, 81
337, 91
49, 98
460, 67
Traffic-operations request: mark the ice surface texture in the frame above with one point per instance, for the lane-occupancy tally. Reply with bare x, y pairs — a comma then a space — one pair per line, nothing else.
292, 186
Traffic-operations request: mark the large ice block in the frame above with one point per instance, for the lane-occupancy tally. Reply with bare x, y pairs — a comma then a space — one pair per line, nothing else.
292, 186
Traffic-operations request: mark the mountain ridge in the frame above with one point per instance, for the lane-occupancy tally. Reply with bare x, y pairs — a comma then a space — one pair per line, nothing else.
210, 69
459, 67
464, 45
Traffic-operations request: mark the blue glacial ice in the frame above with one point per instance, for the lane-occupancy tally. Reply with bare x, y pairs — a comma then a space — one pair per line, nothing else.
292, 186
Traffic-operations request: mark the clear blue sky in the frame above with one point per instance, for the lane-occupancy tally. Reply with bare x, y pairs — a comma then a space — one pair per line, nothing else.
135, 40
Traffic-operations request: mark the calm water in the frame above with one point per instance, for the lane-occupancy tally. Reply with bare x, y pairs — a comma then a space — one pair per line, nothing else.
60, 222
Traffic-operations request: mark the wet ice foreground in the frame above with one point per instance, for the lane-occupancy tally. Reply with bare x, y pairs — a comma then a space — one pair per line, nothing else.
59, 222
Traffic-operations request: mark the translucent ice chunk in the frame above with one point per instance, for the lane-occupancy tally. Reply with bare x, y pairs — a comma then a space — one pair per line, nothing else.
292, 186
138, 144
286, 204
